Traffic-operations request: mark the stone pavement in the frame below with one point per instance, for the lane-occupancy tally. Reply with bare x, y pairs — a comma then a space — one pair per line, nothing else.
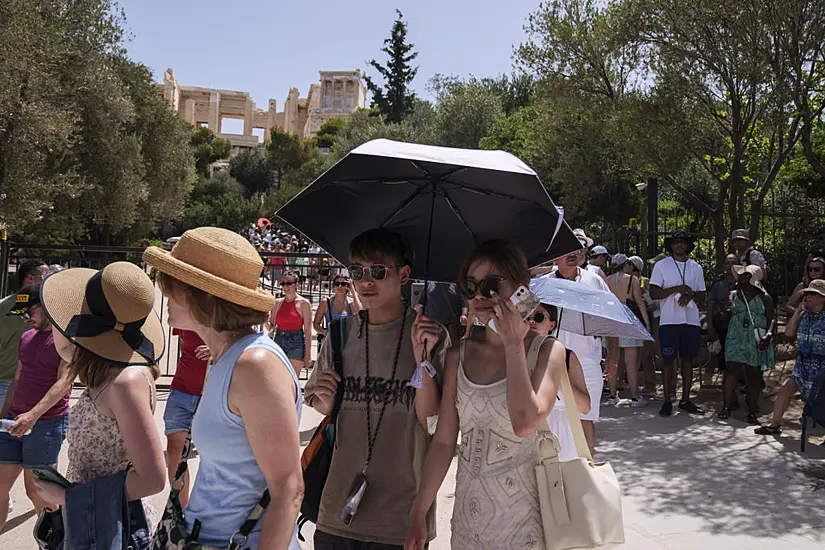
689, 483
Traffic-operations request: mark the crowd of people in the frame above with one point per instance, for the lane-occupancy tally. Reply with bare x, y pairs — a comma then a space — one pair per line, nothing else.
236, 394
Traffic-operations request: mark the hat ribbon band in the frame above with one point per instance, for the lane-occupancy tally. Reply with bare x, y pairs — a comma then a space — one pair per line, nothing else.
102, 319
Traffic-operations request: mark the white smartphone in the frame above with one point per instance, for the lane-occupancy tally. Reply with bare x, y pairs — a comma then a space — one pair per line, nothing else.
525, 302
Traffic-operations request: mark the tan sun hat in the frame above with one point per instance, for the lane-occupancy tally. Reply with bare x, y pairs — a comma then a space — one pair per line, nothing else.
740, 235
756, 274
217, 261
817, 286
108, 312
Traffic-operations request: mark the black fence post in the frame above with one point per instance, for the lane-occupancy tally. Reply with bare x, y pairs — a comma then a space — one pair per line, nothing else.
652, 217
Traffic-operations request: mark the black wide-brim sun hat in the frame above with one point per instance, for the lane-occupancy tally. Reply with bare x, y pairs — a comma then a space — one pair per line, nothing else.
109, 313
680, 236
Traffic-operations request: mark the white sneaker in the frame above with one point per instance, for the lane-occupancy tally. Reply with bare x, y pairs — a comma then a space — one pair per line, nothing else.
639, 401
612, 399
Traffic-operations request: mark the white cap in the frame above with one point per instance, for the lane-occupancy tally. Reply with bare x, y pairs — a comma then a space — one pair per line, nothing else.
619, 259
586, 241
637, 262
599, 251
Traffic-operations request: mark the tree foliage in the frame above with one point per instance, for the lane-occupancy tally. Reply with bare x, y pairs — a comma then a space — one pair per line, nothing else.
208, 148
252, 169
325, 137
285, 153
395, 99
219, 201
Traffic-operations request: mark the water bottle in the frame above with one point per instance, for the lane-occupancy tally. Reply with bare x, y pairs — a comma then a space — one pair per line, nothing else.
6, 424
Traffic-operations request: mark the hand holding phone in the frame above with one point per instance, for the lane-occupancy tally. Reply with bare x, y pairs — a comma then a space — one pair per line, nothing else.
47, 473
524, 303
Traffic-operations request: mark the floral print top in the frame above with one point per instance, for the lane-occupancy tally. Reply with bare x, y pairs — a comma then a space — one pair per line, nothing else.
96, 446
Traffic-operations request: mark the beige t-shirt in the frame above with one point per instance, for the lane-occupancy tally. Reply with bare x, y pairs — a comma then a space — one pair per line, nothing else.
401, 445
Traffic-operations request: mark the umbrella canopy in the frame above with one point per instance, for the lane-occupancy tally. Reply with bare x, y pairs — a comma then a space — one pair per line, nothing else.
445, 201
263, 222
588, 311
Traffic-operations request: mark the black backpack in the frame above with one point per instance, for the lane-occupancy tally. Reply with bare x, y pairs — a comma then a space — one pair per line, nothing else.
317, 457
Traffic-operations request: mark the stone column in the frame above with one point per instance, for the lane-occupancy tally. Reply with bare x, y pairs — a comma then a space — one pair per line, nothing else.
189, 111
247, 119
215, 112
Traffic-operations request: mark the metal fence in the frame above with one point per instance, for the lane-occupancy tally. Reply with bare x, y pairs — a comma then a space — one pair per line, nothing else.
316, 272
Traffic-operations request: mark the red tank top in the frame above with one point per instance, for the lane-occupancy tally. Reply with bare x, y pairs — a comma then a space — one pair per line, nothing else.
288, 317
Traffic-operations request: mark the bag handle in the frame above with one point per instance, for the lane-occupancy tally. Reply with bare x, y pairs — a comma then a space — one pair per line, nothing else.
582, 448
336, 340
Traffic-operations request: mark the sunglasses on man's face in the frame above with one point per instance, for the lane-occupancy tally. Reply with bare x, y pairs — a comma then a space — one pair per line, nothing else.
538, 317
470, 287
340, 284
378, 272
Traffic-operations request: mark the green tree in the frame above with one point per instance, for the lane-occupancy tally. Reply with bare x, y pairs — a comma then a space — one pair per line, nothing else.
325, 137
466, 112
219, 201
395, 99
251, 168
208, 148
285, 153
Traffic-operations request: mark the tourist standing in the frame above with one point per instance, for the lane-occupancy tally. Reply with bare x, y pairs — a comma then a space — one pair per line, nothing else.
588, 348
499, 387
627, 288
384, 424
182, 403
291, 318
814, 269
37, 402
104, 327
751, 309
338, 306
246, 426
742, 245
598, 260
680, 283
719, 308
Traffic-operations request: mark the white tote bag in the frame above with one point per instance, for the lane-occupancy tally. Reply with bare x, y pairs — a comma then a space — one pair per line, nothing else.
581, 502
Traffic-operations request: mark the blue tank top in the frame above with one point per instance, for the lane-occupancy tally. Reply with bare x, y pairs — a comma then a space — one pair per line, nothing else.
332, 316
229, 482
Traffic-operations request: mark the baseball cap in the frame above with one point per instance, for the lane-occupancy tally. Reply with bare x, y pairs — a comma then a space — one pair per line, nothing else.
637, 262
27, 298
619, 259
599, 250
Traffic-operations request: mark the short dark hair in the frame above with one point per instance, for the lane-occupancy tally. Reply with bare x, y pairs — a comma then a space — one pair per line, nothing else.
503, 254
29, 267
378, 243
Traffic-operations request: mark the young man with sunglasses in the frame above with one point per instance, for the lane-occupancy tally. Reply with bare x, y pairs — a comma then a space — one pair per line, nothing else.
588, 348
37, 403
384, 424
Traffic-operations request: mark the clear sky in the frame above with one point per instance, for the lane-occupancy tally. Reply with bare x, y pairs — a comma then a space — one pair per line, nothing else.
266, 47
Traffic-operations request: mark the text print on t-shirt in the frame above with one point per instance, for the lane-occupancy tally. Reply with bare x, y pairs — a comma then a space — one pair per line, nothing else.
379, 390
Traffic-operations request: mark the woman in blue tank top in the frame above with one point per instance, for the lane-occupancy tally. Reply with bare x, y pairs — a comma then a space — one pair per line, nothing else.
338, 306
246, 425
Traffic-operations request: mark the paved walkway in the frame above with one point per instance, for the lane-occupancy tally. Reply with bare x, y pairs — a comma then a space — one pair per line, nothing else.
689, 483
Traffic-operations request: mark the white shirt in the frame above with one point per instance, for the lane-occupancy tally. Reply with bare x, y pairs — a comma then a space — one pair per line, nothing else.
587, 348
593, 268
669, 273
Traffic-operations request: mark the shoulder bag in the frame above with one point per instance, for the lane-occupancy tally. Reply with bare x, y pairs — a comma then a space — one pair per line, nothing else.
580, 500
317, 457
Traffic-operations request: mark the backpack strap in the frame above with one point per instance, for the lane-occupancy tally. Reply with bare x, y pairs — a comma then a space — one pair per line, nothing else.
336, 335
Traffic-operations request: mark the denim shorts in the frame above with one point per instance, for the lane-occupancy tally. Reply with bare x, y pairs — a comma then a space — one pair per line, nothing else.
180, 409
4, 390
630, 343
292, 342
39, 448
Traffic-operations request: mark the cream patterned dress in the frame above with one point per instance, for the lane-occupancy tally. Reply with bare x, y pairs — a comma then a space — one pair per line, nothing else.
496, 498
96, 446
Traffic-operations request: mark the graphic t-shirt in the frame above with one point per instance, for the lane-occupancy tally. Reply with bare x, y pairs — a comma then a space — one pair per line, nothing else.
39, 361
669, 273
401, 444
191, 371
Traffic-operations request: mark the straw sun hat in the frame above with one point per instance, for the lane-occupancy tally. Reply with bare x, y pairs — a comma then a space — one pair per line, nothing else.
108, 312
756, 274
217, 261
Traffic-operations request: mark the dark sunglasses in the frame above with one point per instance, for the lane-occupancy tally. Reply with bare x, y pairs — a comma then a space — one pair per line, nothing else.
377, 272
288, 283
25, 316
537, 317
341, 284
814, 269
470, 287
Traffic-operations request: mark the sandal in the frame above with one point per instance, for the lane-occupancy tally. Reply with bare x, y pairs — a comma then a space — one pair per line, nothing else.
768, 430
753, 419
724, 414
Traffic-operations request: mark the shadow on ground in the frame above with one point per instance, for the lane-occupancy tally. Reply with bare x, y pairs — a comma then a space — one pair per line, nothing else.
730, 479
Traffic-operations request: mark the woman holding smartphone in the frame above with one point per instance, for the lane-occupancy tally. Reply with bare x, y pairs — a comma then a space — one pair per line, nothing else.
499, 387
339, 306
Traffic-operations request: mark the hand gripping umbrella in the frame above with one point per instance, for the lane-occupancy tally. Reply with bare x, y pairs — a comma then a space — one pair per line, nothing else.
445, 201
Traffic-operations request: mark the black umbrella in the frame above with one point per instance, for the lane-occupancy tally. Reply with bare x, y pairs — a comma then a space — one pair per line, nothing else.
445, 201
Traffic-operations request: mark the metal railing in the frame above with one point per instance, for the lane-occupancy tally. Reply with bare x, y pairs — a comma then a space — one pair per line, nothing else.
316, 273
